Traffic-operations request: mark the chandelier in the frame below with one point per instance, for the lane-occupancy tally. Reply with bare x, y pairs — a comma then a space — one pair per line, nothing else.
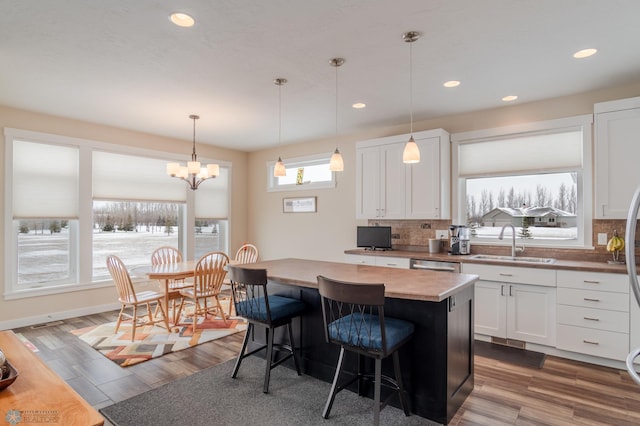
192, 173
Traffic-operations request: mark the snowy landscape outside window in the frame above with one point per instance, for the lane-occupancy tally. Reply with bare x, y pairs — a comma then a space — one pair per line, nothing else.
536, 177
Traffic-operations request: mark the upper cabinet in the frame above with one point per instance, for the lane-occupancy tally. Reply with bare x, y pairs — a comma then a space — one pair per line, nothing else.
386, 188
617, 149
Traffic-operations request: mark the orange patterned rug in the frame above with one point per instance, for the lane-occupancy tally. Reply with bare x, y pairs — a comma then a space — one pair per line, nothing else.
154, 341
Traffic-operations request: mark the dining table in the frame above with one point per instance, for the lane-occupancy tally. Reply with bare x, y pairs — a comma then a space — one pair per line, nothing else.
168, 272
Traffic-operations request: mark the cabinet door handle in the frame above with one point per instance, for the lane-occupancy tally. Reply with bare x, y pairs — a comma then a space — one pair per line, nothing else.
505, 275
502, 290
591, 282
592, 319
510, 292
590, 342
591, 300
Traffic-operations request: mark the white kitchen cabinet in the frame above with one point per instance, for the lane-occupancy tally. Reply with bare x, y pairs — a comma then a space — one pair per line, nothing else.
387, 188
520, 304
593, 313
388, 261
617, 126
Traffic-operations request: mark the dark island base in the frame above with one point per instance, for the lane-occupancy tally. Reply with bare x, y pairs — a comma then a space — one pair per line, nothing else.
437, 363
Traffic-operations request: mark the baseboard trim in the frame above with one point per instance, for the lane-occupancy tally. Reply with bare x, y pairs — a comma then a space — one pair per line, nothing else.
57, 316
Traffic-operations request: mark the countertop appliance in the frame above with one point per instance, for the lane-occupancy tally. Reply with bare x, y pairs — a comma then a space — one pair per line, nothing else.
630, 255
434, 265
459, 239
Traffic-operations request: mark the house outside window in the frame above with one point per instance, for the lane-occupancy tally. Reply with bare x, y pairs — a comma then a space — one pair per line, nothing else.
536, 177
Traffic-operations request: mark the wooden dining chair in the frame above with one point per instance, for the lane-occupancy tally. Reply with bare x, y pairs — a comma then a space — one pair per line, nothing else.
247, 253
207, 283
167, 255
127, 296
353, 316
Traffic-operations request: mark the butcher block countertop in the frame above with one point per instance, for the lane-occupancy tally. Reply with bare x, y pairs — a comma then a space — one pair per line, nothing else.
409, 284
572, 265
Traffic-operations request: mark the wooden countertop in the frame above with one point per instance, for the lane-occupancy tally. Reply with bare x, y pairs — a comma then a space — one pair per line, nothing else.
39, 395
410, 284
573, 265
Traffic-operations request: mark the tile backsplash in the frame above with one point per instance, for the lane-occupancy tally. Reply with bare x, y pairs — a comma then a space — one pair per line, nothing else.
415, 235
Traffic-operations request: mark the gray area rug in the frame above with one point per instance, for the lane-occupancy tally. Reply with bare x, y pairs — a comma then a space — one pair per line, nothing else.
212, 397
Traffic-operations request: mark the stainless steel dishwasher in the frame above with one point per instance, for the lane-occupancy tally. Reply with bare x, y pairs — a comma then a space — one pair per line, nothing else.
434, 265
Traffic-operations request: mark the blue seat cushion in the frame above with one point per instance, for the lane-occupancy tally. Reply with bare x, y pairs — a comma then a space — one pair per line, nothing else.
363, 331
281, 307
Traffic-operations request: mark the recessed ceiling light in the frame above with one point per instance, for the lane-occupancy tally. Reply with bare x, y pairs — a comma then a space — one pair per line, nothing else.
451, 83
584, 53
510, 98
359, 105
182, 19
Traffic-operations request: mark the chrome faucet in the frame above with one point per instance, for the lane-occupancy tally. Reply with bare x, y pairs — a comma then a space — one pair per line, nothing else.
514, 249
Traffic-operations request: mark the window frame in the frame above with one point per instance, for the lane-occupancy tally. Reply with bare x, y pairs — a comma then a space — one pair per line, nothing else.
81, 250
293, 163
584, 211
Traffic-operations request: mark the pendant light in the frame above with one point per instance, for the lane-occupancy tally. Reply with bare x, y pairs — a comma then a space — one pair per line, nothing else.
336, 164
279, 170
411, 153
192, 173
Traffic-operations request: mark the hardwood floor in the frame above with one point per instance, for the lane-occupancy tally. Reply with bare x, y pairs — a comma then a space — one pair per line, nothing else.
564, 392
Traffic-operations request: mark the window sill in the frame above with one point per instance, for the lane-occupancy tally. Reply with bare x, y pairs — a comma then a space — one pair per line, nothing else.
59, 289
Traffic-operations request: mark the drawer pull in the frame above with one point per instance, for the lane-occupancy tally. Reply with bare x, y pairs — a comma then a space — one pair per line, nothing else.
592, 319
505, 275
591, 282
591, 300
591, 342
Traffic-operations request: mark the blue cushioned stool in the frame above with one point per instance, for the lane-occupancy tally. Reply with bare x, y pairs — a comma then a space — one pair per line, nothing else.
354, 318
251, 300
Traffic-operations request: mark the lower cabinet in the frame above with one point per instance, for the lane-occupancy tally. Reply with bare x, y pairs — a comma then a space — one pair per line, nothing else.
593, 313
512, 309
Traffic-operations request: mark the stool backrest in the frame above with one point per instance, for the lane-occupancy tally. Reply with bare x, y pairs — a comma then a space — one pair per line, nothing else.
249, 292
353, 314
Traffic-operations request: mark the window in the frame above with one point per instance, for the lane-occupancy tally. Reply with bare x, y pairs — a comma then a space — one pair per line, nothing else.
133, 230
302, 173
536, 177
94, 199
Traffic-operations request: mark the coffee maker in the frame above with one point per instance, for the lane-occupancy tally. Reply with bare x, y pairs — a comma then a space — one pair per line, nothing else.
459, 239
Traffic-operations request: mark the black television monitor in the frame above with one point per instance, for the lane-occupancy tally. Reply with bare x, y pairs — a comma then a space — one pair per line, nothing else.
374, 237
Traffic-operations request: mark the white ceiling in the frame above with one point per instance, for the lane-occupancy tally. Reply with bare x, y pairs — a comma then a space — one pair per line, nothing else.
123, 63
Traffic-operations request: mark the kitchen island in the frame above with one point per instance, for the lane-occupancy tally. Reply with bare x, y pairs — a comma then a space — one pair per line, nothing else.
437, 363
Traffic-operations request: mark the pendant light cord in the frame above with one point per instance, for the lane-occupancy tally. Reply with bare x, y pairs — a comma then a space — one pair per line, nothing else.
193, 154
411, 86
336, 102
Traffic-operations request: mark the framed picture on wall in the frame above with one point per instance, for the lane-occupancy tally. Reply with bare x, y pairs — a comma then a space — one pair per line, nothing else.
299, 205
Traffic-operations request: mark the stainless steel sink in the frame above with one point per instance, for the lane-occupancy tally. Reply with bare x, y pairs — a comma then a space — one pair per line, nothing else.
521, 259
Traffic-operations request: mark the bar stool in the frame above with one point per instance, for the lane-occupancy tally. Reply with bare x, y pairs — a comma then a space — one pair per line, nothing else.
353, 315
251, 301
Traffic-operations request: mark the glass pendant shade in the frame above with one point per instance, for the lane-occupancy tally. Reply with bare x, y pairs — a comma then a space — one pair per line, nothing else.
336, 164
411, 153
279, 170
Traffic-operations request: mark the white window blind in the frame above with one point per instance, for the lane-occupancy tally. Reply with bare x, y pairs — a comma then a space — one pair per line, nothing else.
130, 177
45, 180
212, 197
557, 151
